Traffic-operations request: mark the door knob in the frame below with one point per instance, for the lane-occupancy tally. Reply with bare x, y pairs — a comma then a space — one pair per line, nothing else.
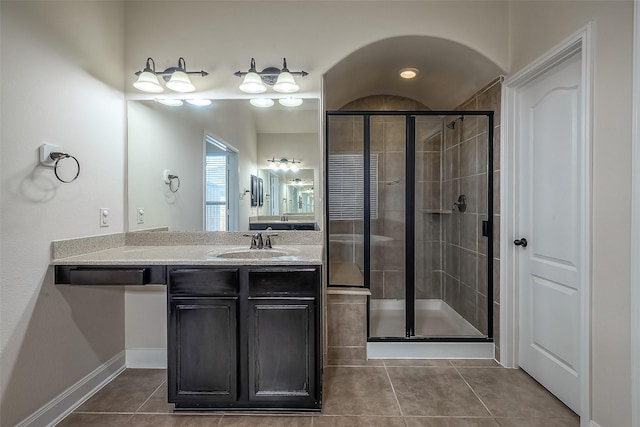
520, 242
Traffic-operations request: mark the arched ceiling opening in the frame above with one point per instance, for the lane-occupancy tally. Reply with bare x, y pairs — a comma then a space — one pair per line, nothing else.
449, 72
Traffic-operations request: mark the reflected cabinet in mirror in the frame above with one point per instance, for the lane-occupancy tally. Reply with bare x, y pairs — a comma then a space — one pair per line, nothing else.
236, 164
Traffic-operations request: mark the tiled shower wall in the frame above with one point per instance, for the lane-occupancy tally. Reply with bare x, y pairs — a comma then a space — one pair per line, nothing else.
464, 248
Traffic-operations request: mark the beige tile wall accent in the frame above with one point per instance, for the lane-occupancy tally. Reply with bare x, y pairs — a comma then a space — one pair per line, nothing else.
346, 327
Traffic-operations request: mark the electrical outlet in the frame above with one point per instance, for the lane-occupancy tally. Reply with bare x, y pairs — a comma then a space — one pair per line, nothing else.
104, 217
140, 215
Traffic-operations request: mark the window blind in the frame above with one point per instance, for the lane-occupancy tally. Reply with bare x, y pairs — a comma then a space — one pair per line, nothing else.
346, 186
216, 192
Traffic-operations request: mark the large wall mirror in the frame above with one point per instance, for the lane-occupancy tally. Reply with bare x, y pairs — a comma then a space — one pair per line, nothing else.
190, 167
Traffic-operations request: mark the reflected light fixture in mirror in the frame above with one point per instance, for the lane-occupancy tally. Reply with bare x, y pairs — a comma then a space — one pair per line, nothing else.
290, 102
261, 102
170, 102
282, 80
199, 102
176, 78
284, 164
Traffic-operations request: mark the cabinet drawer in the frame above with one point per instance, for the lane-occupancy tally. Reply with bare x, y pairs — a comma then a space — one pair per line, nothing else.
203, 281
285, 281
108, 275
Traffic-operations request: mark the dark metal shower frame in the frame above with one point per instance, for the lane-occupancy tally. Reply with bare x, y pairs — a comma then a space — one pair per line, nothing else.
410, 215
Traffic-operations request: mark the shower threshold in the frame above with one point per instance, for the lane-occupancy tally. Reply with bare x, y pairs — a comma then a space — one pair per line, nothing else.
435, 320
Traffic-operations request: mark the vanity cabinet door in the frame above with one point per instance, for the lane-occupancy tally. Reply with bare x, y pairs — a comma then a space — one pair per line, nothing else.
203, 349
282, 350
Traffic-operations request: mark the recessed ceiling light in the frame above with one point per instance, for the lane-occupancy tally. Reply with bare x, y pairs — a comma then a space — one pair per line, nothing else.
261, 102
170, 102
408, 73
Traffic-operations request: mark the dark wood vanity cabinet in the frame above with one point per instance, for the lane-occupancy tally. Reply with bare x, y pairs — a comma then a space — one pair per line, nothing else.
245, 337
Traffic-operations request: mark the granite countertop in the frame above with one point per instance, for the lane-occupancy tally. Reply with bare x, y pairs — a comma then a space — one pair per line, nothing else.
197, 255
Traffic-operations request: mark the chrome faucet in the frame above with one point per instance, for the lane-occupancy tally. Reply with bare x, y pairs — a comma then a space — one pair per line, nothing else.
256, 241
267, 243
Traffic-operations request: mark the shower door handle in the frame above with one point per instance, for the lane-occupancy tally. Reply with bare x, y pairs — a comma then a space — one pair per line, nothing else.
520, 242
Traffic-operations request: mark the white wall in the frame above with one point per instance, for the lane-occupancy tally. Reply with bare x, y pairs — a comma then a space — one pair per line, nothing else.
159, 138
535, 28
62, 83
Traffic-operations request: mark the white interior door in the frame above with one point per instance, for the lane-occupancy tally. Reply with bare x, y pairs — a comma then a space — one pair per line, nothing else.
551, 218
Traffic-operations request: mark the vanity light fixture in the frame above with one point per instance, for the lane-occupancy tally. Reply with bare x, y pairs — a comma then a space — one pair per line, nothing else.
261, 102
282, 80
176, 78
284, 164
408, 73
290, 102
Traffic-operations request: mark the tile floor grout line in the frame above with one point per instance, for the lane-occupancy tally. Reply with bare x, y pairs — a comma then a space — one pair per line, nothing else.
473, 391
393, 389
149, 398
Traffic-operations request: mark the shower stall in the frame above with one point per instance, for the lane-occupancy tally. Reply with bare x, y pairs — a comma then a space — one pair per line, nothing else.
409, 209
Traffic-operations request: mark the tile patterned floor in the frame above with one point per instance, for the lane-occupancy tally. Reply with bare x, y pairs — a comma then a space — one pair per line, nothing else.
389, 393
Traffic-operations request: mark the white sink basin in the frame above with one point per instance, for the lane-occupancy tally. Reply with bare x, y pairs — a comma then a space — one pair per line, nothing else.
251, 254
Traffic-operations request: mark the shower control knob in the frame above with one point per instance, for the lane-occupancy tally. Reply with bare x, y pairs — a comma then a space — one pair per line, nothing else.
520, 242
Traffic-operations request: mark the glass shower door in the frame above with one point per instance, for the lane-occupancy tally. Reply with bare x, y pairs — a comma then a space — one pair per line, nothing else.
451, 218
346, 213
388, 225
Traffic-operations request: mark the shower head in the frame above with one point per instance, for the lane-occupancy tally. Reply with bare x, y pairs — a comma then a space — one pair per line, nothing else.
452, 125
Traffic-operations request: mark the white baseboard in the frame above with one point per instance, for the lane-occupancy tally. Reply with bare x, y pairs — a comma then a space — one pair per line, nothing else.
65, 403
594, 424
147, 358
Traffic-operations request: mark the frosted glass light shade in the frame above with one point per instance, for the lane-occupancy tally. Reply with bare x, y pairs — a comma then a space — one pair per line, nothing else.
148, 82
286, 83
180, 82
252, 83
261, 102
290, 102
293, 167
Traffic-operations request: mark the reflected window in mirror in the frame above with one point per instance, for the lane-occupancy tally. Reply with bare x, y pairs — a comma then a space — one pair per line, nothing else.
221, 177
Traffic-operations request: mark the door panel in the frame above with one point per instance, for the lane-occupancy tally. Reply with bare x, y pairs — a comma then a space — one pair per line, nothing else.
203, 339
281, 349
550, 219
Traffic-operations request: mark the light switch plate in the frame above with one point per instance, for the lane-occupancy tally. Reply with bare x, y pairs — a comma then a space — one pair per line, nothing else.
104, 217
